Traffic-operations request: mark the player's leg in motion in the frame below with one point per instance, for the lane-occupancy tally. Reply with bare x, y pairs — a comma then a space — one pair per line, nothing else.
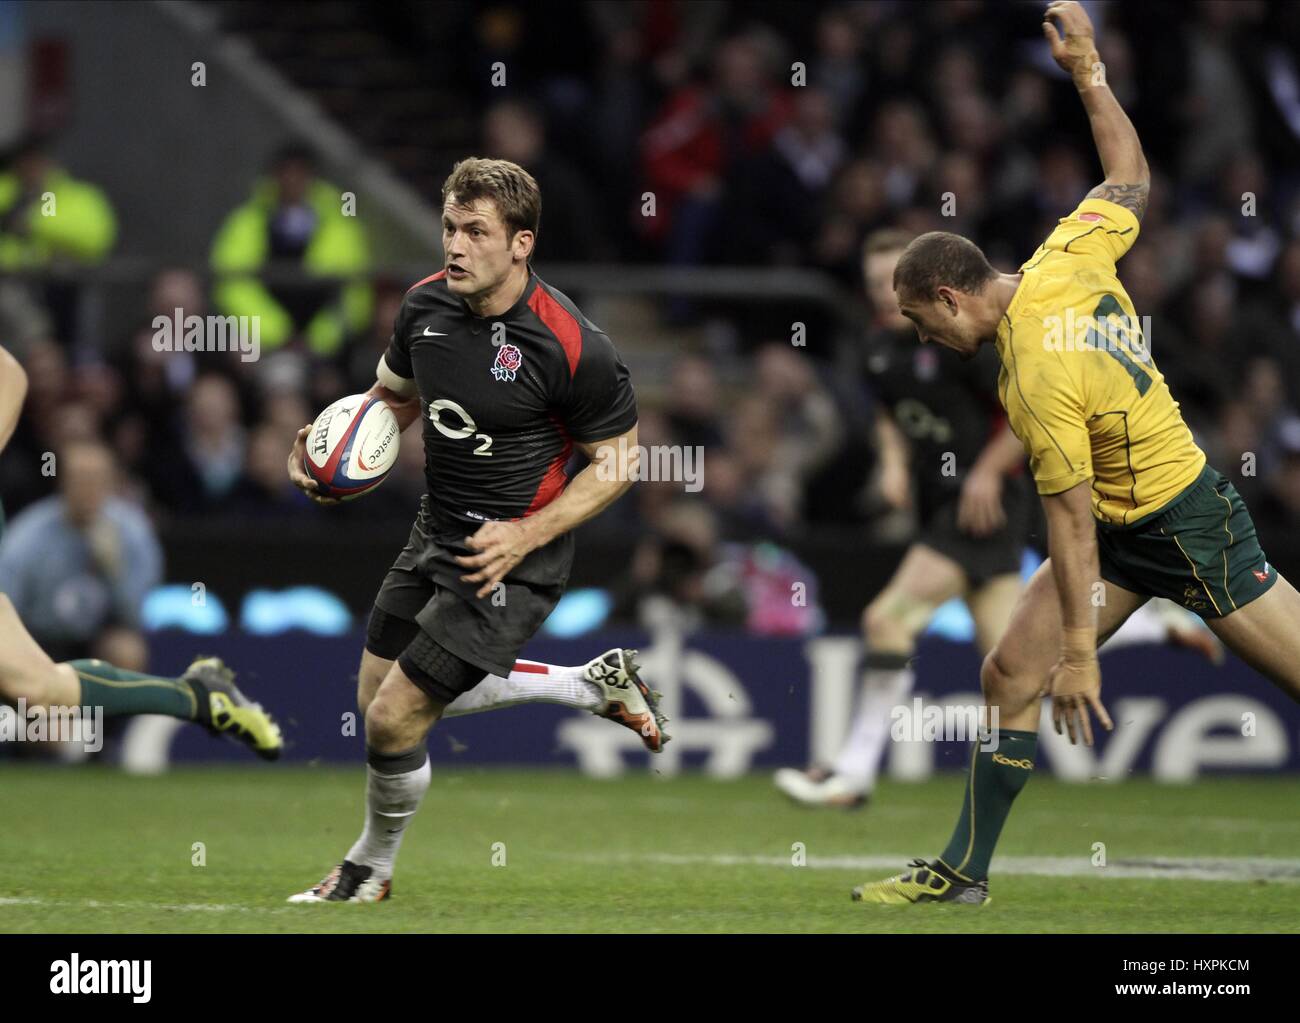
399, 712
1266, 635
1162, 621
1012, 678
205, 694
991, 607
401, 700
923, 580
608, 686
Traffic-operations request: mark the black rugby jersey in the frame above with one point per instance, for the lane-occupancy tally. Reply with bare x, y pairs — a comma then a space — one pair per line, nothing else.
504, 398
941, 403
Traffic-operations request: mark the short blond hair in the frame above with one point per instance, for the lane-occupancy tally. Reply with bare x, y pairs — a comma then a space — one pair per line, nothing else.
887, 239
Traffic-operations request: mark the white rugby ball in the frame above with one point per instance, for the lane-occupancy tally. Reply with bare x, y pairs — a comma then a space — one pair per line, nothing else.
352, 446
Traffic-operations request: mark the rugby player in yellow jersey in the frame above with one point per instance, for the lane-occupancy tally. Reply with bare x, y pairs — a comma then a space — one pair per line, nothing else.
1132, 509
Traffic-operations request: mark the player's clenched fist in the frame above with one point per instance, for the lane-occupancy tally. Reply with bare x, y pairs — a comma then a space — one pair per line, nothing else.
1077, 50
298, 475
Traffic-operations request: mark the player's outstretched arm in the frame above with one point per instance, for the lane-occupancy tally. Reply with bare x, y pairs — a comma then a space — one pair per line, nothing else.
13, 389
1074, 48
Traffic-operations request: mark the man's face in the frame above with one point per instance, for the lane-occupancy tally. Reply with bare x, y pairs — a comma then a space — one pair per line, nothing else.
477, 246
878, 279
511, 134
292, 180
32, 168
86, 478
946, 321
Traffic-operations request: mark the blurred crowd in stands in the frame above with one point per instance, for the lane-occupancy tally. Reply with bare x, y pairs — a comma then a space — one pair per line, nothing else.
775, 135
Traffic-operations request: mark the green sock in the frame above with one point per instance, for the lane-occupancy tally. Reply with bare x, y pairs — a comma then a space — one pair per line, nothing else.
994, 781
121, 692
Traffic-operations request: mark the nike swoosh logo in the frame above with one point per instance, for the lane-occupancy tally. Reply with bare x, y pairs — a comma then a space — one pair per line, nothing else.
433, 333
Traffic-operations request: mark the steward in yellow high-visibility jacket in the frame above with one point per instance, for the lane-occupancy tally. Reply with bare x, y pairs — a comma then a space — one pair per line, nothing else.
294, 219
47, 215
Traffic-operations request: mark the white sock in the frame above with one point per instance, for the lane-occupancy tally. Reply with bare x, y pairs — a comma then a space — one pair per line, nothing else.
883, 689
391, 802
529, 682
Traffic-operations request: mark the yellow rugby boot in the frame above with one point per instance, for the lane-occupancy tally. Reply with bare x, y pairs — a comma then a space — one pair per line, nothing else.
922, 882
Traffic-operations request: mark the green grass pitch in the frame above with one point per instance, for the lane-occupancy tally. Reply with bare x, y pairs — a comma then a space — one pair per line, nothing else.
93, 850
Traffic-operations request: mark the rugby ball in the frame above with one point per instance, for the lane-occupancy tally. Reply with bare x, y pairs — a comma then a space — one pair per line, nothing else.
352, 446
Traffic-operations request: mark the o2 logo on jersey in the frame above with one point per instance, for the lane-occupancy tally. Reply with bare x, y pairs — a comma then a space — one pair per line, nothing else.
464, 431
508, 360
917, 421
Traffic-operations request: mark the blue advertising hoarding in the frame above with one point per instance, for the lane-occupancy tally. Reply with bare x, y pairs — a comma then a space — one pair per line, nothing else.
740, 703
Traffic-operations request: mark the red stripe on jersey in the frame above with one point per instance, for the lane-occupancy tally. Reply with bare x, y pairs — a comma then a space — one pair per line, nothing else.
532, 666
432, 277
553, 480
560, 322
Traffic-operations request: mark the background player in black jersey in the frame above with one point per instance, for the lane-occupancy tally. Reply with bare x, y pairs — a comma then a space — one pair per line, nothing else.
508, 378
945, 450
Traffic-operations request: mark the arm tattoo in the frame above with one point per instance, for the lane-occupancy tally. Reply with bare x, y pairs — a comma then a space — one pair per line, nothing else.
1132, 197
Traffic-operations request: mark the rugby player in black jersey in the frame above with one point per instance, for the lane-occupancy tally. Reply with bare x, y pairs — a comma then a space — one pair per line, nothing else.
946, 451
508, 379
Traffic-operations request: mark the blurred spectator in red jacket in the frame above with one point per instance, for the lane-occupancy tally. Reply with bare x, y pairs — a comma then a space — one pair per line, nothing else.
698, 137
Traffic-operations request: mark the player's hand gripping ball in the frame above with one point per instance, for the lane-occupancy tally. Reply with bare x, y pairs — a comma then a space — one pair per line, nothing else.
351, 447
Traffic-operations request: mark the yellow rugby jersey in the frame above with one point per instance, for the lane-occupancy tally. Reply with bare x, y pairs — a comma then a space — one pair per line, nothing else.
1078, 383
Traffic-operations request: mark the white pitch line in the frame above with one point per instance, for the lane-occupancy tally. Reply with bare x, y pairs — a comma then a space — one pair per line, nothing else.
1173, 868
1237, 869
190, 907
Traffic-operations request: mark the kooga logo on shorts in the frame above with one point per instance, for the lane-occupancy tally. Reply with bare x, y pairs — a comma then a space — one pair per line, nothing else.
102, 977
